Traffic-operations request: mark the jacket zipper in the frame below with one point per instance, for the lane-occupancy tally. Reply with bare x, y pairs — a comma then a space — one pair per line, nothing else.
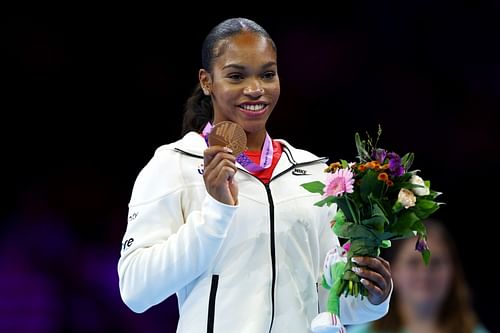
273, 250
215, 278
211, 304
272, 235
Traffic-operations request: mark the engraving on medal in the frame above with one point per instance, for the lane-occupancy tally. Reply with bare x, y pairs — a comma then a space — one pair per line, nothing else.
228, 134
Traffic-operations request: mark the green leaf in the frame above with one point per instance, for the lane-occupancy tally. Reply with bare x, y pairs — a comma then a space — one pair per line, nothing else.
425, 204
374, 222
378, 209
386, 243
360, 146
342, 230
348, 207
326, 201
370, 185
354, 231
368, 246
314, 187
404, 222
424, 208
333, 303
401, 235
419, 227
340, 217
324, 283
398, 206
407, 161
426, 256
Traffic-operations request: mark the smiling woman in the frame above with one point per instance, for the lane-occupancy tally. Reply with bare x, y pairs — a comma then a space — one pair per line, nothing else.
230, 232
244, 84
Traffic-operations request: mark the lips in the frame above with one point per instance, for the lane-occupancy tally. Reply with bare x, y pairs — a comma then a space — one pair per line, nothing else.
253, 109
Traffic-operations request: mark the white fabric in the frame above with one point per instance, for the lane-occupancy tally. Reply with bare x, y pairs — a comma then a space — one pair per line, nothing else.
334, 255
327, 322
180, 240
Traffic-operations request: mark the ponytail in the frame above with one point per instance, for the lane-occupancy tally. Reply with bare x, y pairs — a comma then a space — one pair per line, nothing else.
198, 111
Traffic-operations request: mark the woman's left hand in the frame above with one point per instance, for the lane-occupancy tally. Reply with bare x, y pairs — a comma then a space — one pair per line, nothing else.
375, 274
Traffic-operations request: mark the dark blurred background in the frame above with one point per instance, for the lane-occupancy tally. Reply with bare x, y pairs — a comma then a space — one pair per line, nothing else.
88, 97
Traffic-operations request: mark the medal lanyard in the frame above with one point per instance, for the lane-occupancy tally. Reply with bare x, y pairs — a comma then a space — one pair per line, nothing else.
266, 157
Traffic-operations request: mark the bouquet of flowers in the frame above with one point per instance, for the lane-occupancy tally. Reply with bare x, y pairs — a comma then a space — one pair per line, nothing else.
379, 199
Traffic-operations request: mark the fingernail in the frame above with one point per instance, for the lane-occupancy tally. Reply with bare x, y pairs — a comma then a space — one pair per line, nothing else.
228, 150
363, 281
356, 269
355, 259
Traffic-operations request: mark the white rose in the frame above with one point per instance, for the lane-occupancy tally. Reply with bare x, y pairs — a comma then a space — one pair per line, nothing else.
406, 198
416, 180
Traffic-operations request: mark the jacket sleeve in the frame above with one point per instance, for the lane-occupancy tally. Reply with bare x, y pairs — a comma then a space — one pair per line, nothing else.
357, 310
163, 251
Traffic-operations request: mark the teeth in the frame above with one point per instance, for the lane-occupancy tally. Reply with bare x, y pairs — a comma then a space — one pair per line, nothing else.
253, 107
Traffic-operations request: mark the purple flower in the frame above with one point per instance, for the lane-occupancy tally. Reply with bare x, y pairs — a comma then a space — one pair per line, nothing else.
395, 164
379, 155
421, 244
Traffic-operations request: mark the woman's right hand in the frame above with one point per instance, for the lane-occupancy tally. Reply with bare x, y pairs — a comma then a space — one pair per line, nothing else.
219, 171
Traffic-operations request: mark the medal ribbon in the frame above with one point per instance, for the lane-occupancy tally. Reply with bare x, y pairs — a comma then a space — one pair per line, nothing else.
266, 157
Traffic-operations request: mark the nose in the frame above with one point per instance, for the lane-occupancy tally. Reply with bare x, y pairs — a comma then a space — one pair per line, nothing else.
254, 90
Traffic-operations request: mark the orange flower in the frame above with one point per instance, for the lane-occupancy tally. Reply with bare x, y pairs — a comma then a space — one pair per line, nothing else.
383, 176
333, 167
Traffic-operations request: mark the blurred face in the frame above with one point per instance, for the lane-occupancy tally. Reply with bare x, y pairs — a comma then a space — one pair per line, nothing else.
244, 82
419, 286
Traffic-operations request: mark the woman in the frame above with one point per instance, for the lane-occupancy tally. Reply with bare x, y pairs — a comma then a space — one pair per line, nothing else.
433, 298
236, 237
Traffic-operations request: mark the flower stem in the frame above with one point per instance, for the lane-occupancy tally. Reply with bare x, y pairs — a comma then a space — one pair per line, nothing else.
354, 216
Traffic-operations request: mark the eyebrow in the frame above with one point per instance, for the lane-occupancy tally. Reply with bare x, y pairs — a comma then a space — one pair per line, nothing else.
240, 67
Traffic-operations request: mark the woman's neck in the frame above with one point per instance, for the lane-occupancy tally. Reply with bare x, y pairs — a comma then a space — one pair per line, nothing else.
256, 140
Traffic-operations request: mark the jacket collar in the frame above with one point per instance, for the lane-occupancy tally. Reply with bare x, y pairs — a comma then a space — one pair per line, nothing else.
193, 144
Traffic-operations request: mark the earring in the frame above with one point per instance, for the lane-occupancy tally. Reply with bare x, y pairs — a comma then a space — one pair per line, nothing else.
206, 91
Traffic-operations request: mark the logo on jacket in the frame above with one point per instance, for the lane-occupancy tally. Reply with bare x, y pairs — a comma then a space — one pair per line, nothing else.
201, 169
300, 172
127, 243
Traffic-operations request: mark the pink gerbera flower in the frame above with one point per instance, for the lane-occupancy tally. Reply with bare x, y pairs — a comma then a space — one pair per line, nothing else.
339, 182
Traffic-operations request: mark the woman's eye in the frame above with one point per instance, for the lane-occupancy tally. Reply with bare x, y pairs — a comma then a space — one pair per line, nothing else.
269, 75
235, 77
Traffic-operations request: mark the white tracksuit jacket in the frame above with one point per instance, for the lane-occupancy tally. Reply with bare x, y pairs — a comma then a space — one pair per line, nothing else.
251, 268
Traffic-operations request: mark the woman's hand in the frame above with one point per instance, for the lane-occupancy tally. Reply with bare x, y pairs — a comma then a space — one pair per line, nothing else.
375, 274
219, 171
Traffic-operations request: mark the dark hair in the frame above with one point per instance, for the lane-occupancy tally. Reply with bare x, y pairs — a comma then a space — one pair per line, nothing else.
199, 108
456, 314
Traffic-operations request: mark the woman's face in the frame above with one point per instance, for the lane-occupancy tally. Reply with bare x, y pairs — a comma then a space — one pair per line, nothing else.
419, 286
244, 82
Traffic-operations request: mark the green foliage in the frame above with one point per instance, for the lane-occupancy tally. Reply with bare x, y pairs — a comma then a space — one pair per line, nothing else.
383, 205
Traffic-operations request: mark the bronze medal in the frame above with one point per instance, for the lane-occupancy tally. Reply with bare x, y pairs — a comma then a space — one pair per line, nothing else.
228, 134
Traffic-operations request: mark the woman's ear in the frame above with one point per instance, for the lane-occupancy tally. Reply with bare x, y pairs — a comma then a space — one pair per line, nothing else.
205, 81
